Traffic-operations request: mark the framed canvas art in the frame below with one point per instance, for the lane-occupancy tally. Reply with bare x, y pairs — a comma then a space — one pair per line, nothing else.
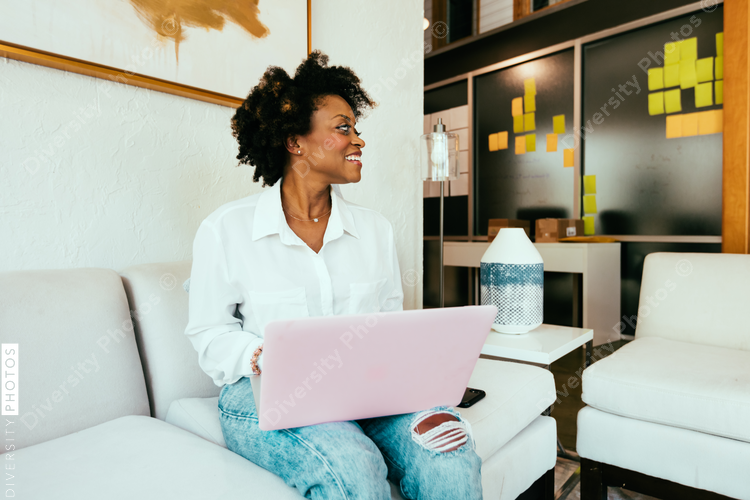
212, 50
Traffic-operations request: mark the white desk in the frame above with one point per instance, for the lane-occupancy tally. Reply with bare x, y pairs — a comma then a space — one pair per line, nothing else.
598, 263
543, 345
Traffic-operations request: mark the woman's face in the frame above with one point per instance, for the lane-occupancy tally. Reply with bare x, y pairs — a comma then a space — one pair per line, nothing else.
331, 151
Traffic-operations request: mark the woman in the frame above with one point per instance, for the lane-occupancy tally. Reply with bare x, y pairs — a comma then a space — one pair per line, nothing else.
299, 249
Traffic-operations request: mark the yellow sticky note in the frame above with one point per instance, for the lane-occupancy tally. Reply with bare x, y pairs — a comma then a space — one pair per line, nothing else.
704, 69
568, 157
529, 86
517, 106
672, 75
719, 68
558, 124
656, 103
493, 142
551, 143
719, 119
518, 124
502, 140
719, 90
656, 78
529, 102
689, 49
588, 225
530, 143
688, 78
528, 122
671, 53
704, 94
689, 124
709, 122
520, 145
720, 44
673, 101
589, 184
589, 204
674, 126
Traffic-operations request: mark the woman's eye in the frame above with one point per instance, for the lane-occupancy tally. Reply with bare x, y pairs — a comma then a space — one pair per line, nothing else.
345, 128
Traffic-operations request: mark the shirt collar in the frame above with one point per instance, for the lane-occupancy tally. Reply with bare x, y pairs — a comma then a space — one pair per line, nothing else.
269, 217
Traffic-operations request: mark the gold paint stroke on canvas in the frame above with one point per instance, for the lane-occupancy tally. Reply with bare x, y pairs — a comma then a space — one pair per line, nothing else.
168, 18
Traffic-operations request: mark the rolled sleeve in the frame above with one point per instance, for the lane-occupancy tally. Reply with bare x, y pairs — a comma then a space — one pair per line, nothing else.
224, 349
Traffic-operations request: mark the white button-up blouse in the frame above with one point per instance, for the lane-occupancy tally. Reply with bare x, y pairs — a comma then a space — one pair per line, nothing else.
250, 268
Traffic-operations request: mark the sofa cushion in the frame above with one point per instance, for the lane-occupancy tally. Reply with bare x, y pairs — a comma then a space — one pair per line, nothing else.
78, 360
696, 297
144, 458
695, 459
160, 307
680, 384
516, 395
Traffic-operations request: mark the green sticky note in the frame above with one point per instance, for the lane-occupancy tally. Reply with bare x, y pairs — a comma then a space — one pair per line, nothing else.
589, 184
688, 78
656, 78
689, 49
673, 100
529, 86
704, 69
656, 103
528, 122
588, 225
589, 204
719, 70
558, 124
704, 94
672, 75
720, 44
518, 124
719, 89
529, 102
530, 142
671, 53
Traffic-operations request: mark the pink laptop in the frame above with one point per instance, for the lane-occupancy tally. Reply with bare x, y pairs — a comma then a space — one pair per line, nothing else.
336, 368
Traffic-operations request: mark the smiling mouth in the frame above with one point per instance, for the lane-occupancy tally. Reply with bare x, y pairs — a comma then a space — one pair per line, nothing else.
355, 159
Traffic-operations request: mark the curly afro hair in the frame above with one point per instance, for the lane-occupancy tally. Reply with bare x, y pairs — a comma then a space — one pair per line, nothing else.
280, 107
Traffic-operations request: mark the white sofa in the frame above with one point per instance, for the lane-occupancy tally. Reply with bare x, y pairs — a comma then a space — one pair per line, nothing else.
119, 410
668, 414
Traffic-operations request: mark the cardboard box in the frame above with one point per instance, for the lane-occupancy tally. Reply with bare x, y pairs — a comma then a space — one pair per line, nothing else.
551, 230
496, 224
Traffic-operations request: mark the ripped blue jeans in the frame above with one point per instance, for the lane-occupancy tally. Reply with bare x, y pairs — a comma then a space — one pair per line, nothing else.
352, 460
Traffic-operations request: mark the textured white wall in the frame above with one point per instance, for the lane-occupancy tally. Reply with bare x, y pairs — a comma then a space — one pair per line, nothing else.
95, 174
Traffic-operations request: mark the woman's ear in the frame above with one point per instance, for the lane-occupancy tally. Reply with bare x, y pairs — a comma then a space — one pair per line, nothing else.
292, 145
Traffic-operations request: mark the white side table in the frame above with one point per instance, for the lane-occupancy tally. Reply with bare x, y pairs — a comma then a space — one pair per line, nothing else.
542, 346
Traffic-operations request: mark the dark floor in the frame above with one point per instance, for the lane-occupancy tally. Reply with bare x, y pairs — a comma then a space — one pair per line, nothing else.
567, 372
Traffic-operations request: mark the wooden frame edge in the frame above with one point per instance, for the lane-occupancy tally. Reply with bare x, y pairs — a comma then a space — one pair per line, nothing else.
309, 27
78, 66
736, 151
596, 477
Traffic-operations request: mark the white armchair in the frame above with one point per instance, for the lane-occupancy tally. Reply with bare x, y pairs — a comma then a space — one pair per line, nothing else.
668, 414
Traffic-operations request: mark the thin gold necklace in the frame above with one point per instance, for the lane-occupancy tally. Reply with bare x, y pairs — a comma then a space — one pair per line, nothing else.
315, 219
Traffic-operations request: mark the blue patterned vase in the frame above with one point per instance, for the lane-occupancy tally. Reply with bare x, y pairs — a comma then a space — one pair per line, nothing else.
512, 279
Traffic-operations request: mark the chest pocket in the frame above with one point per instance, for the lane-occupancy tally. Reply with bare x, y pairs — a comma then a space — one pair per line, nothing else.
364, 297
272, 306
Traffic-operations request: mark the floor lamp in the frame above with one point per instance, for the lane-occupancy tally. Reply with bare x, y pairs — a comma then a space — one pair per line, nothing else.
438, 153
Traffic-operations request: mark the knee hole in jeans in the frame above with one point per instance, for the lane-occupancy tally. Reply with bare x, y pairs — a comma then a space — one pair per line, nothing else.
448, 436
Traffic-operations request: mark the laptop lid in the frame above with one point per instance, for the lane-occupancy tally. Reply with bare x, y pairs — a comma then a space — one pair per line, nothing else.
337, 368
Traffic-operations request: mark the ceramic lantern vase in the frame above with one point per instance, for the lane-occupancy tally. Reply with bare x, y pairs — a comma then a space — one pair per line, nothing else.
512, 279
